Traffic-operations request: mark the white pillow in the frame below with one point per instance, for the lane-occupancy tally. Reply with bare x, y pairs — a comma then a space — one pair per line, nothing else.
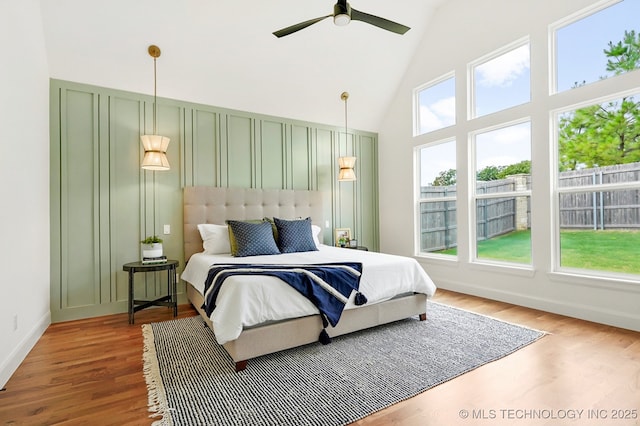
315, 231
215, 238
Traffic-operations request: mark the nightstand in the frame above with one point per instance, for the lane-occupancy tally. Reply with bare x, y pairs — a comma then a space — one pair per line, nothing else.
357, 248
170, 300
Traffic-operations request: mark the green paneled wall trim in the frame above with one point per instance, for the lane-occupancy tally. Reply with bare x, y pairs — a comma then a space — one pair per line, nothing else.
103, 203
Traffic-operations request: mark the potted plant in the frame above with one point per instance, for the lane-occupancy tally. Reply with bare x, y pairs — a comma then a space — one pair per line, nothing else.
151, 247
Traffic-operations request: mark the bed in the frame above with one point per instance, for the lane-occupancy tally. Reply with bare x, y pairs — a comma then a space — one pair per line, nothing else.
280, 318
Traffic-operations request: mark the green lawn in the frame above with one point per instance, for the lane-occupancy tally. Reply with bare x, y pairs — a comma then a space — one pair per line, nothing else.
613, 251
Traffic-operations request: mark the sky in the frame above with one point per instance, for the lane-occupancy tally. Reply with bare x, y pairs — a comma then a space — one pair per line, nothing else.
580, 45
503, 82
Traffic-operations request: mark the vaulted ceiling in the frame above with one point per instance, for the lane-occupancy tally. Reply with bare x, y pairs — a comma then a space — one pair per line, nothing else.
223, 53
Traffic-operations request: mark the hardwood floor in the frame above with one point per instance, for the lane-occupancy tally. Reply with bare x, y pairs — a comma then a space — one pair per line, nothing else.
90, 372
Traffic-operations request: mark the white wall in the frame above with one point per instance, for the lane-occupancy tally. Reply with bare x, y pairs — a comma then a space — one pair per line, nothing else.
462, 31
24, 191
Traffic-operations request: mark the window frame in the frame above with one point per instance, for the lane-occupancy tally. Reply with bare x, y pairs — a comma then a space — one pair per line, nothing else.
542, 112
474, 196
471, 81
416, 102
553, 39
417, 249
557, 190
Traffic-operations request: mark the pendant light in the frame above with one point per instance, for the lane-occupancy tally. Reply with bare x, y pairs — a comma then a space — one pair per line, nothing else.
155, 146
346, 164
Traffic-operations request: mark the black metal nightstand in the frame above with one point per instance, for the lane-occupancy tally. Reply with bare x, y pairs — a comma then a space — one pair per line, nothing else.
357, 248
170, 300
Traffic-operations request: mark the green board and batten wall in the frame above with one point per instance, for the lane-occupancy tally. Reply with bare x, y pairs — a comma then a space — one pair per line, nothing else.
103, 203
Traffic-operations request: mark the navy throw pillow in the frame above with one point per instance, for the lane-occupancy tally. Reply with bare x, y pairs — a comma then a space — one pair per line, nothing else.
295, 235
253, 239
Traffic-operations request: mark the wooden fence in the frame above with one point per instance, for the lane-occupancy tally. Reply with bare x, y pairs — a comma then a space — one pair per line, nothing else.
496, 216
618, 209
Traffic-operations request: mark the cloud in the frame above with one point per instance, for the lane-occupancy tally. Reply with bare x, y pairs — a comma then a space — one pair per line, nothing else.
436, 159
437, 115
503, 147
503, 70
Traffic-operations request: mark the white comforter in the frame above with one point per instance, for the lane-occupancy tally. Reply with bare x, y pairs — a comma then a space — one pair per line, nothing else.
245, 301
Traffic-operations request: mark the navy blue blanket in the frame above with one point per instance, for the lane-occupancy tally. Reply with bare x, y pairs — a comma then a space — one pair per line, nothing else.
327, 285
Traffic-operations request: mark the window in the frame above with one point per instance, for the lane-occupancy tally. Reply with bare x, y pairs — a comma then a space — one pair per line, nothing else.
587, 215
501, 82
503, 193
598, 186
436, 105
437, 212
580, 44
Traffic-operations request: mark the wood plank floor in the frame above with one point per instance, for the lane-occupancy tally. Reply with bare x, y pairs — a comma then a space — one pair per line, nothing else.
89, 372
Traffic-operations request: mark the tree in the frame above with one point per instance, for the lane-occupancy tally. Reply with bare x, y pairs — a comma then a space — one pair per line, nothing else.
523, 167
445, 178
501, 172
624, 56
448, 177
489, 173
606, 134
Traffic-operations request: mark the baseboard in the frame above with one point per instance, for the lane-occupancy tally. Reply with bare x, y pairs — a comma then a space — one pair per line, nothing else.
596, 314
15, 358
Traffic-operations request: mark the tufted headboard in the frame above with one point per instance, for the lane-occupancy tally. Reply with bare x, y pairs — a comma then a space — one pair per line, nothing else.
209, 204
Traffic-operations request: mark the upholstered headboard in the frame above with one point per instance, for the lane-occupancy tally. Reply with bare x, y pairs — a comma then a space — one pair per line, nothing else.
209, 204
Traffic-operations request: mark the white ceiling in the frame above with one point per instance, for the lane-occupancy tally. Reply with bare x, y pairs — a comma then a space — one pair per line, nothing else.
223, 53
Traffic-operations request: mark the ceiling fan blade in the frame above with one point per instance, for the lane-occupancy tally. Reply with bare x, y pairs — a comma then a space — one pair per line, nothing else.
297, 27
383, 23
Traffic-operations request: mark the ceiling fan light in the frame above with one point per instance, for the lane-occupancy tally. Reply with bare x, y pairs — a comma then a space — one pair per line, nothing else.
342, 19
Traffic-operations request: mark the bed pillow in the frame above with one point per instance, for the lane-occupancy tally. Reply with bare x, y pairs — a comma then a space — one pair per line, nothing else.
315, 232
295, 235
215, 238
252, 239
273, 227
232, 238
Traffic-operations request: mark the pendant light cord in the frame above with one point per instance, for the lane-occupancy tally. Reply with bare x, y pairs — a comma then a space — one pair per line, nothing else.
155, 132
345, 117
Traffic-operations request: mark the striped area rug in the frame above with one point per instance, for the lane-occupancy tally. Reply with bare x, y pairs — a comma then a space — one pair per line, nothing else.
192, 381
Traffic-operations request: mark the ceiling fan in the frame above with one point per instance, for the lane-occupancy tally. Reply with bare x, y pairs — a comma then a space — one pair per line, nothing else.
343, 13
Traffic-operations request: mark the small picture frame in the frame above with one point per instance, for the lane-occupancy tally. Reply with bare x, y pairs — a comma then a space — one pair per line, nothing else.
342, 236
353, 243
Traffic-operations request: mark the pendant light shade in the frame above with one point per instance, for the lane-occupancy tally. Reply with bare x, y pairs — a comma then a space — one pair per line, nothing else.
155, 152
346, 168
346, 164
155, 146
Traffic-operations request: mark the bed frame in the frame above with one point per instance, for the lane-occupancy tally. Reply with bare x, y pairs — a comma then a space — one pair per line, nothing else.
204, 204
